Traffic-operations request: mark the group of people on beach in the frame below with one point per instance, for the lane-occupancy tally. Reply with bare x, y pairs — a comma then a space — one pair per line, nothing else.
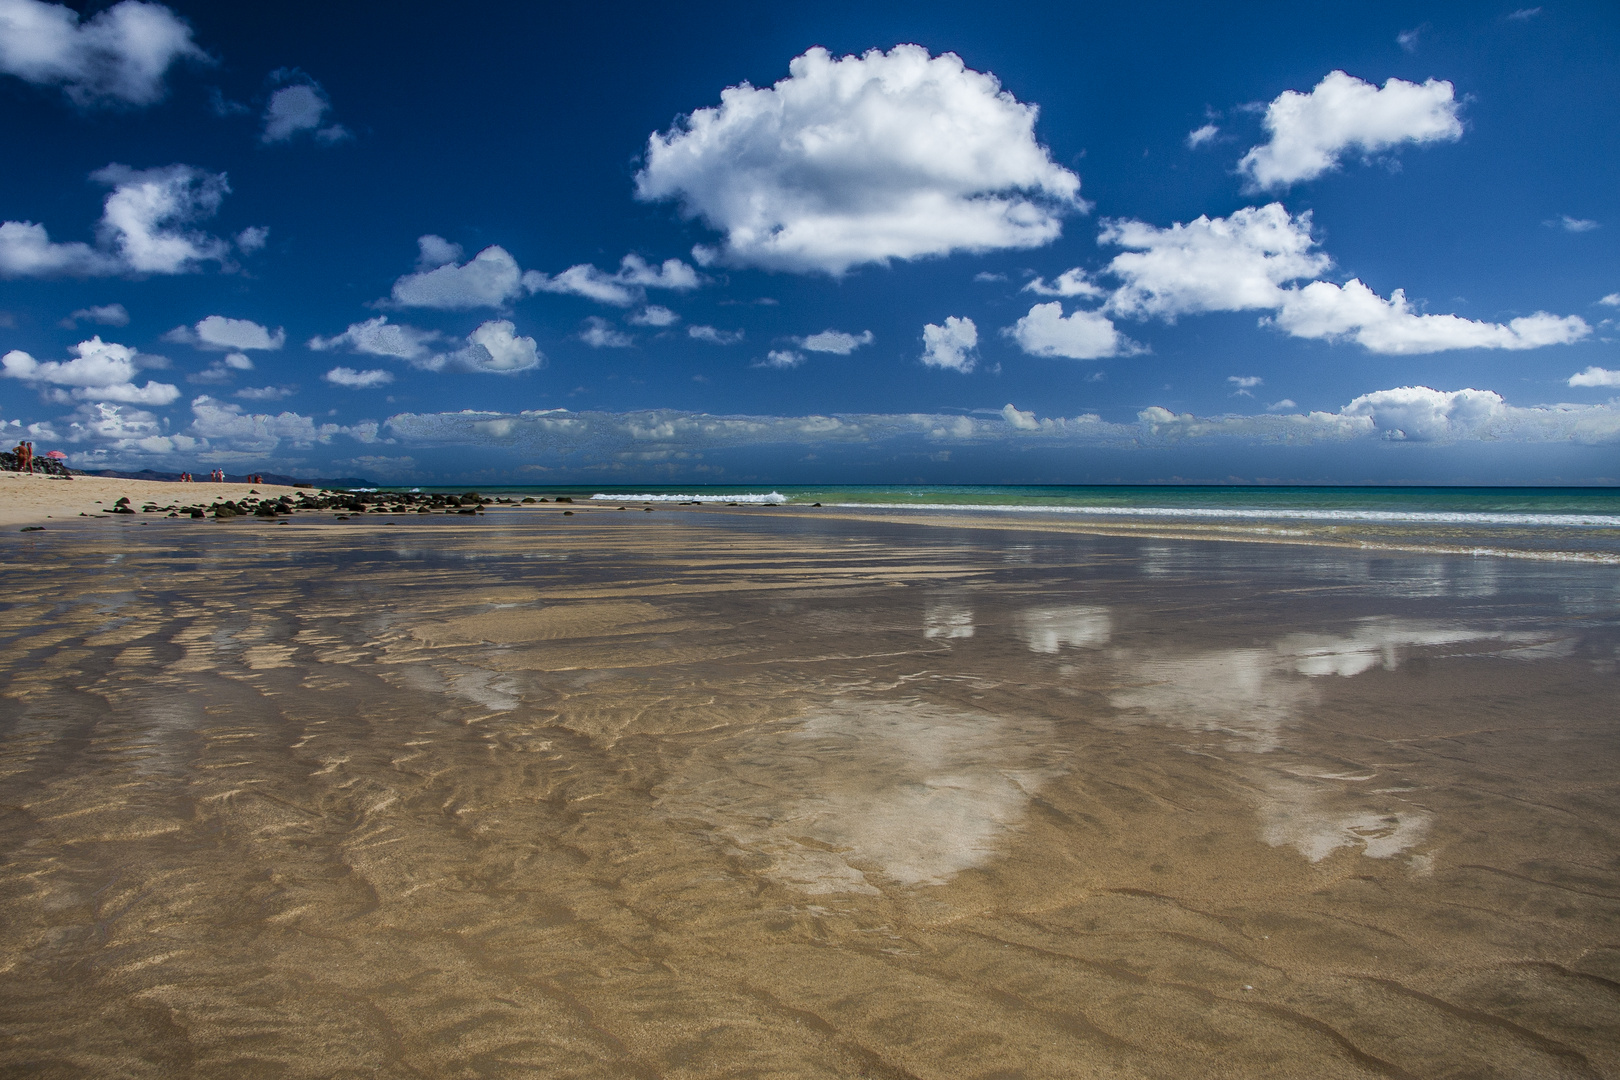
218, 477
24, 452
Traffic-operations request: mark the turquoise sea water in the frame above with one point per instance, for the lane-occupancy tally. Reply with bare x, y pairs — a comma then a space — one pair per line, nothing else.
1536, 522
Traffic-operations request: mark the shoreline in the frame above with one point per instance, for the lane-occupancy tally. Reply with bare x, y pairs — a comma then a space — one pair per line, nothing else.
34, 501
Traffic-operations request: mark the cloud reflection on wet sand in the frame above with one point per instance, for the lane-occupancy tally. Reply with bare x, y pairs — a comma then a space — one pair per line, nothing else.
699, 796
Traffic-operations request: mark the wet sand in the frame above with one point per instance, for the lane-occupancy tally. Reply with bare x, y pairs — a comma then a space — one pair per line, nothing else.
763, 793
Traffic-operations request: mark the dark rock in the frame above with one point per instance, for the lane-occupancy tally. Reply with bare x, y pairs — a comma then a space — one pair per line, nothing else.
565, 498
32, 528
568, 513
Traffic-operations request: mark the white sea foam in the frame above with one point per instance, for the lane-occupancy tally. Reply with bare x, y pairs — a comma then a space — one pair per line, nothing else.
773, 499
1394, 517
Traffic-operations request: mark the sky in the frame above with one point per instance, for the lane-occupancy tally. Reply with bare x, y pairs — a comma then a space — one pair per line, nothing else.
815, 243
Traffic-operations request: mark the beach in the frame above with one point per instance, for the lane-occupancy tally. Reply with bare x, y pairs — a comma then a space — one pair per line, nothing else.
40, 499
784, 790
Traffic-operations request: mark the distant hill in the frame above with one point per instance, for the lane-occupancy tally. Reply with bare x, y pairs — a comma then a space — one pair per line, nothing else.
268, 478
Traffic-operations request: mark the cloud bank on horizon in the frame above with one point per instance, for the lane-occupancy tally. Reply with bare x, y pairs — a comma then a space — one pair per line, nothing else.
894, 227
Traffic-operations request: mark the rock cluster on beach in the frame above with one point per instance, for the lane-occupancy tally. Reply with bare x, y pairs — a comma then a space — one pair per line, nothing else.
44, 465
344, 502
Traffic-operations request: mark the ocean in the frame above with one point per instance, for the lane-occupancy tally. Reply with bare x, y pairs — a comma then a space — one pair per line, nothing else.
1581, 524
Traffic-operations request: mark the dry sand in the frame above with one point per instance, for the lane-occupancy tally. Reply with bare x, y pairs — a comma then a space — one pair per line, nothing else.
38, 499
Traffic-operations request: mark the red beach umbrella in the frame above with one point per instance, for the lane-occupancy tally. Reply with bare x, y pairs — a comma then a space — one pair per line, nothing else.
58, 455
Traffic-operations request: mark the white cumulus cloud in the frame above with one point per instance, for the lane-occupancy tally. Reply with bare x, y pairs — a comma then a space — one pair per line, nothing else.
863, 159
144, 219
488, 279
782, 358
253, 238
601, 334
497, 348
1200, 136
379, 337
1595, 376
1311, 132
143, 228
228, 335
626, 287
1021, 421
713, 335
102, 314
1353, 312
1073, 282
434, 251
835, 341
653, 315
1235, 263
99, 371
1251, 260
1425, 414
1083, 335
358, 380
264, 393
298, 108
116, 57
225, 425
951, 345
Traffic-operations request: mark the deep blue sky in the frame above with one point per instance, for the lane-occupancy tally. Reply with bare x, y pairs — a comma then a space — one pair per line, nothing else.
525, 126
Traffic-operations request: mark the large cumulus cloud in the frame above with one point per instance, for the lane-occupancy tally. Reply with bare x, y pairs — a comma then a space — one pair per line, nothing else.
145, 228
863, 159
116, 57
1310, 133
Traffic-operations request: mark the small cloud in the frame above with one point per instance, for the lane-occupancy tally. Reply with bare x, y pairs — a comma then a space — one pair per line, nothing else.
359, 380
1073, 282
1020, 421
1202, 136
781, 358
1524, 14
1408, 39
1613, 299
298, 108
252, 238
435, 251
1596, 376
600, 334
105, 315
653, 315
714, 336
1244, 384
221, 370
1571, 224
227, 335
835, 341
1284, 404
222, 106
622, 289
952, 345
264, 393
987, 276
